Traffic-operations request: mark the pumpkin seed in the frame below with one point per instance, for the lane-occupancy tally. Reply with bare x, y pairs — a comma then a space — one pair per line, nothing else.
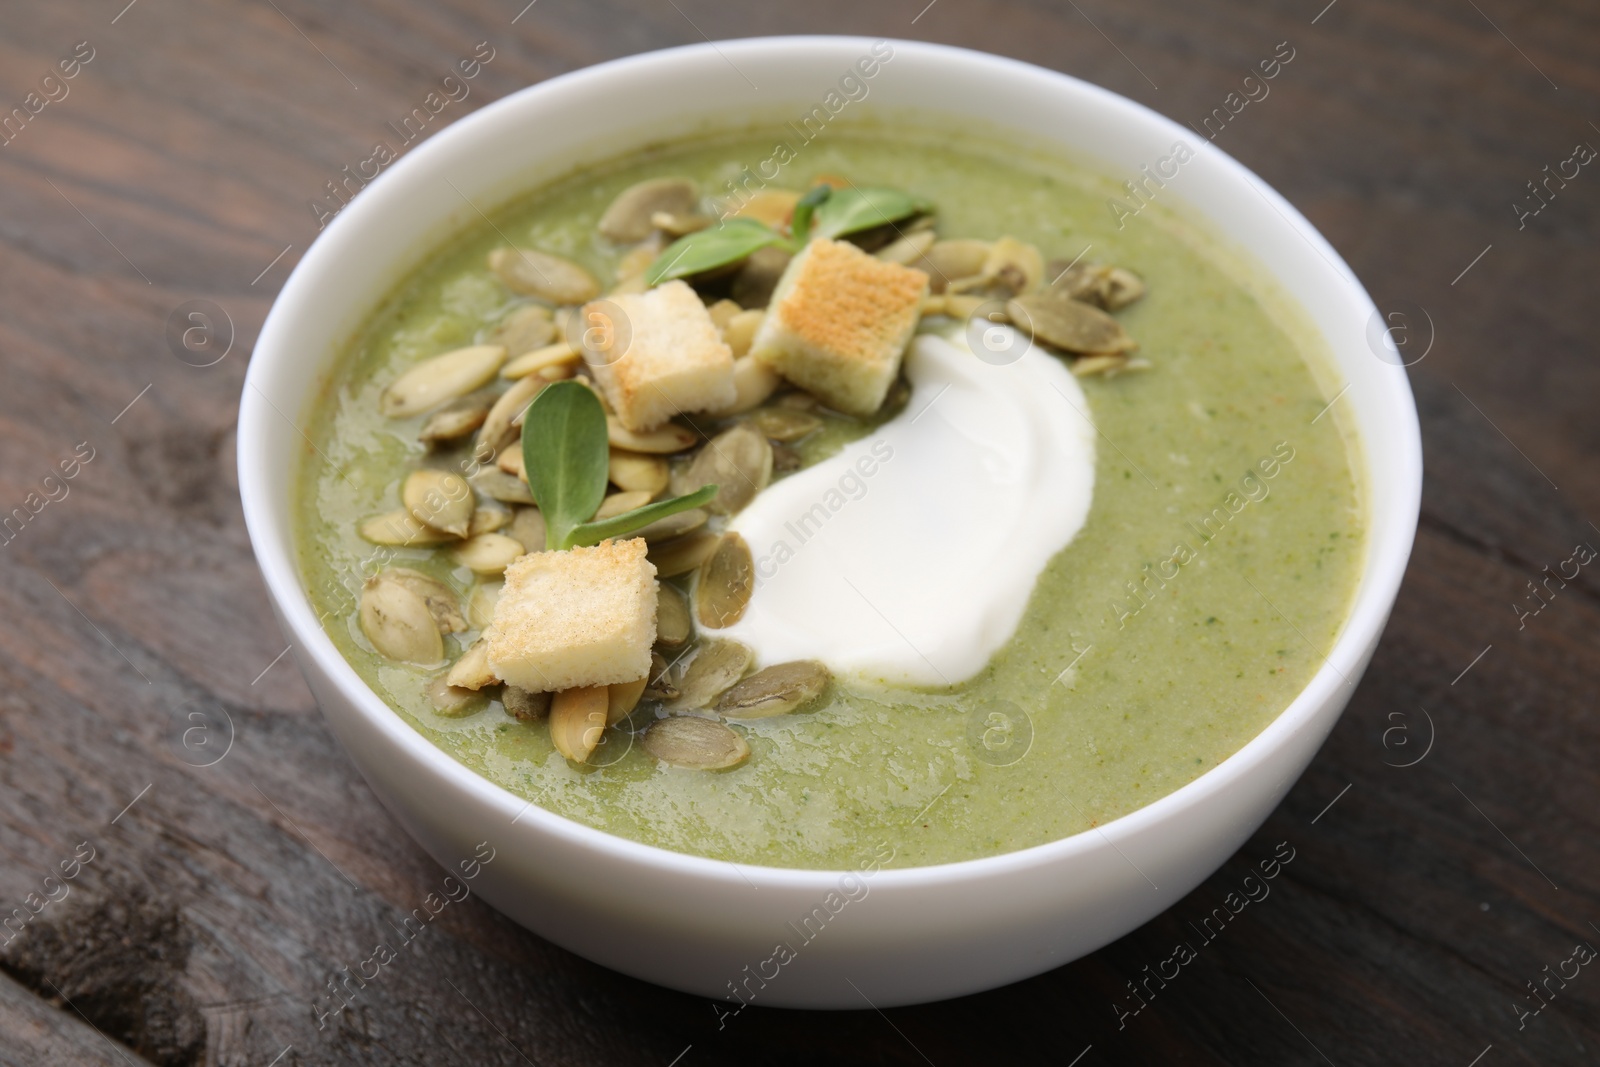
1107, 287
722, 312
636, 261
673, 627
523, 705
512, 462
680, 555
1055, 318
442, 602
780, 424
1077, 279
399, 527
553, 355
1012, 267
738, 461
398, 622
577, 719
673, 525
439, 499
771, 207
512, 403
961, 306
489, 553
741, 330
622, 698
543, 275
659, 683
630, 217
1107, 365
488, 518
758, 276
481, 602
675, 225
665, 439
440, 380
617, 503
798, 400
753, 382
724, 584
527, 529
950, 261
785, 460
777, 690
472, 670
451, 700
637, 472
1120, 288
635, 284
525, 329
712, 669
456, 420
495, 484
696, 744
908, 249
484, 450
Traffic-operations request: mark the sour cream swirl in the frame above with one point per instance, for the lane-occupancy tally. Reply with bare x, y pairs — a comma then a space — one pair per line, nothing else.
908, 558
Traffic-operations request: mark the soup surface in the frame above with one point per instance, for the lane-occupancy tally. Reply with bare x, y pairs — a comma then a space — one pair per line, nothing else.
1210, 579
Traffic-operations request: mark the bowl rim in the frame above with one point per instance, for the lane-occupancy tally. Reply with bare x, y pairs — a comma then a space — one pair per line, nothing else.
1378, 583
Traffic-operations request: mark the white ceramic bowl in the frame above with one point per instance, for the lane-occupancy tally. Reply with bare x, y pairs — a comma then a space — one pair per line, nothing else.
702, 925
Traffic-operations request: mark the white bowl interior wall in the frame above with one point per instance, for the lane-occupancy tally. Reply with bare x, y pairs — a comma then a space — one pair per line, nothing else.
707, 926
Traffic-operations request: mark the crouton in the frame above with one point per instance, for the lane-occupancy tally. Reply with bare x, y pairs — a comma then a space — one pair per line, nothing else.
579, 617
657, 353
839, 323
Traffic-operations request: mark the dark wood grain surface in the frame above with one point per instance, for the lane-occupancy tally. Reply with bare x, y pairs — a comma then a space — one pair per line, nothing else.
217, 900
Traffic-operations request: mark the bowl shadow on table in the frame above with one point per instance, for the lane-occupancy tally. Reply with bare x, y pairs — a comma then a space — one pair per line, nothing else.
1179, 983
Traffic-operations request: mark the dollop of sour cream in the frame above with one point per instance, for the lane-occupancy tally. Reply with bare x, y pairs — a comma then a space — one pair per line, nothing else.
908, 558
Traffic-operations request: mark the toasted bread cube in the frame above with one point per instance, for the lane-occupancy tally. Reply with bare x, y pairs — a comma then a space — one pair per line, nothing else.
657, 353
579, 617
839, 323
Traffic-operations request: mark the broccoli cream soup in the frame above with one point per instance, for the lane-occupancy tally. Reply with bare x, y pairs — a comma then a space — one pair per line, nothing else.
905, 502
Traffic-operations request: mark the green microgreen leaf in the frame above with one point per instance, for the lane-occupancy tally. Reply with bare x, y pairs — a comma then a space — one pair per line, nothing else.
567, 456
853, 209
800, 221
592, 533
728, 242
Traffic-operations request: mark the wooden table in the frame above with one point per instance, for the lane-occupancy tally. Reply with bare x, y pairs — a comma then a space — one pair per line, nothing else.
179, 167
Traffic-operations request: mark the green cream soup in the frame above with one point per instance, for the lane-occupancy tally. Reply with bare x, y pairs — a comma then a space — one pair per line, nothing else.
1213, 574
